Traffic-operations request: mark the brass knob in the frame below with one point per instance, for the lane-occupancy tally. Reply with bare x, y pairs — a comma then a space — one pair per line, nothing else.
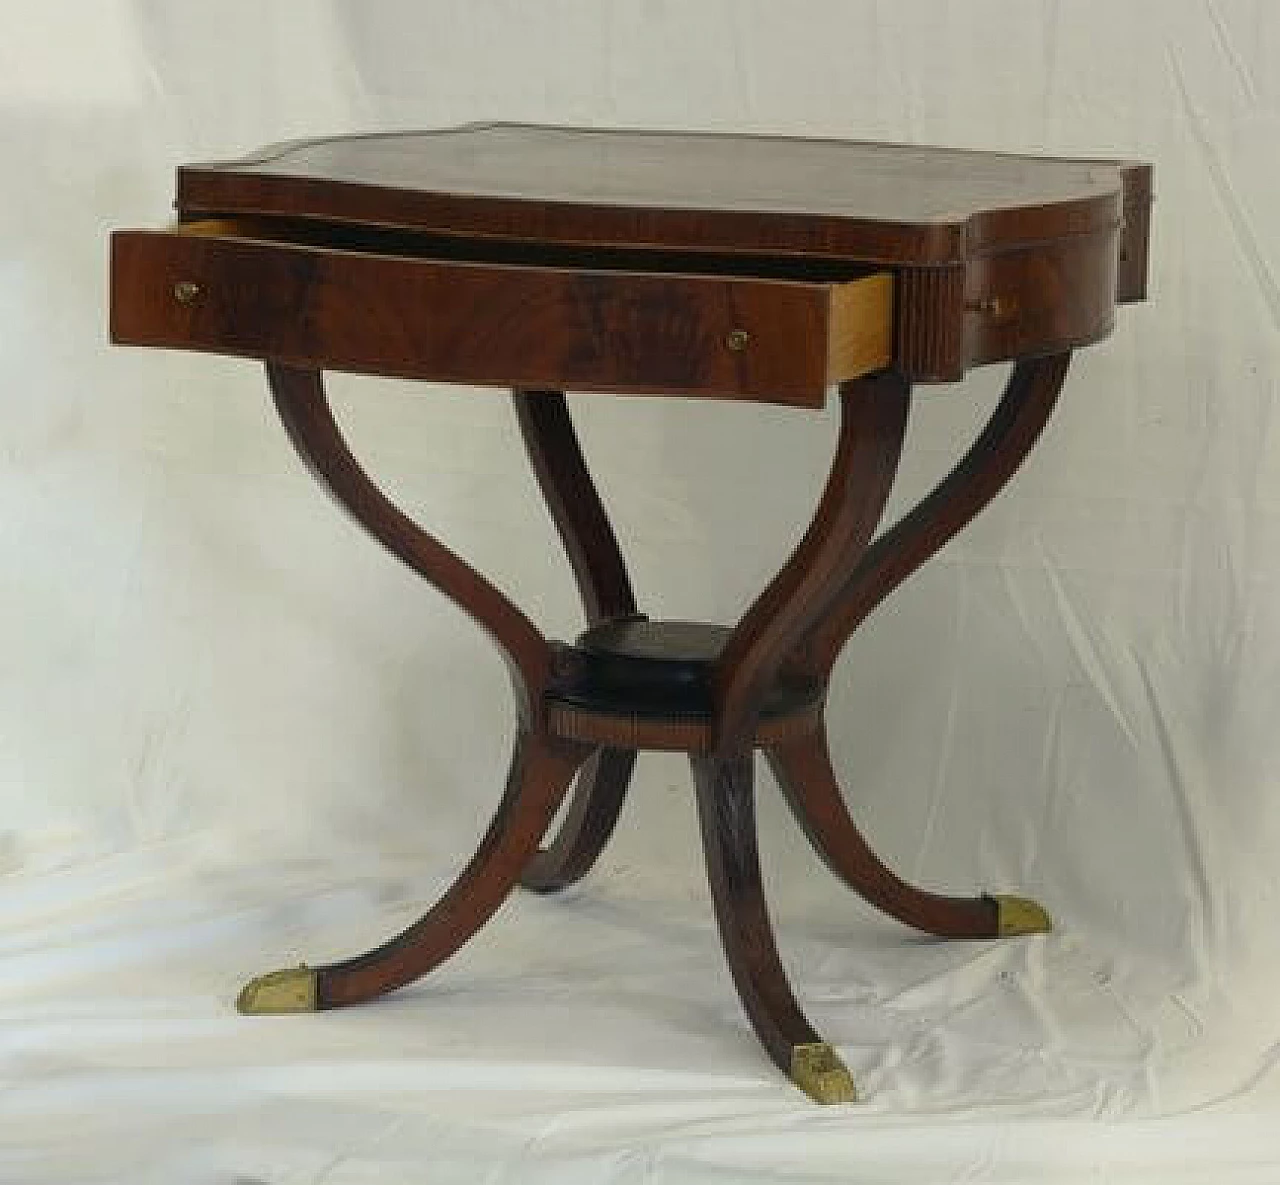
995, 306
186, 291
737, 339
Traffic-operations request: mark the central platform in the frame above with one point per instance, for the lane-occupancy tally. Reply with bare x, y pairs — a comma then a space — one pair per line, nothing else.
658, 670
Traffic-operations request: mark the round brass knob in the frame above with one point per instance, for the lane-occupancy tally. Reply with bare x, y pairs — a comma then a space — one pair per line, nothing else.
737, 339
186, 291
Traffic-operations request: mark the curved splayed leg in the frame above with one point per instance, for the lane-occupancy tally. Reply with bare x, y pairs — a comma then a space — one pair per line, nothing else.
307, 418
541, 769
994, 457
542, 766
804, 774
804, 769
593, 812
605, 589
873, 422
726, 811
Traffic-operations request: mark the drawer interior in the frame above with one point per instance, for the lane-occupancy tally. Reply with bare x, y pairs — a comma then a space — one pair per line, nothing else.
385, 241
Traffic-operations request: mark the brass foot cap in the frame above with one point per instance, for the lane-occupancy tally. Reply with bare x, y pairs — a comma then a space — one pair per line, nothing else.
817, 1071
293, 990
1020, 915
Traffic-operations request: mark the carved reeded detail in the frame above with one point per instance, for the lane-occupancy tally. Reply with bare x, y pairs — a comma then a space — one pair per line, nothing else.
1020, 915
605, 589
292, 990
303, 409
817, 1071
680, 736
929, 333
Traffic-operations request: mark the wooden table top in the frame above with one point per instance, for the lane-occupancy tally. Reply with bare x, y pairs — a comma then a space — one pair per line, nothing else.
750, 267
882, 203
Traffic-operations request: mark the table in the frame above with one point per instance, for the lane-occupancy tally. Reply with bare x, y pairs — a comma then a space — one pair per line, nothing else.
744, 268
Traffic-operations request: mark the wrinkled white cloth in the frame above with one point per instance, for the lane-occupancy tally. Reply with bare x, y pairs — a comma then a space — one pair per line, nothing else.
234, 735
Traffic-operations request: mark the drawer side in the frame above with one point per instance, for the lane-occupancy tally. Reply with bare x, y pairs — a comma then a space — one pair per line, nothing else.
860, 334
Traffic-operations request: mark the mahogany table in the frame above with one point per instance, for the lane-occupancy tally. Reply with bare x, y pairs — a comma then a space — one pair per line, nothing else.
744, 268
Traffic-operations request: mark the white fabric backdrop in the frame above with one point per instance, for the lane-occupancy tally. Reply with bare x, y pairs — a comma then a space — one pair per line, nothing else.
233, 734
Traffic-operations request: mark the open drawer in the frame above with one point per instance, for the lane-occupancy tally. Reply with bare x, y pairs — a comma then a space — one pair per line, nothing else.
488, 312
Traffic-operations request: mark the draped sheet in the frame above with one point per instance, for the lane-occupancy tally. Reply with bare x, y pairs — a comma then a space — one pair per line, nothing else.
235, 735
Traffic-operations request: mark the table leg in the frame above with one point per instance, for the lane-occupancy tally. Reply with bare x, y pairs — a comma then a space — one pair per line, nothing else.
994, 457
803, 770
726, 811
795, 631
789, 638
593, 812
541, 769
574, 504
304, 410
605, 589
542, 766
873, 422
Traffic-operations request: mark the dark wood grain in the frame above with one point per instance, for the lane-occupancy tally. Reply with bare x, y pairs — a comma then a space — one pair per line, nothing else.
873, 421
541, 769
478, 323
993, 257
1038, 300
605, 590
726, 813
803, 771
1044, 298
882, 202
303, 409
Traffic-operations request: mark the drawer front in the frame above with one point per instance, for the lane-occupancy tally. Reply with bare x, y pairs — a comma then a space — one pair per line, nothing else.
477, 323
1040, 299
